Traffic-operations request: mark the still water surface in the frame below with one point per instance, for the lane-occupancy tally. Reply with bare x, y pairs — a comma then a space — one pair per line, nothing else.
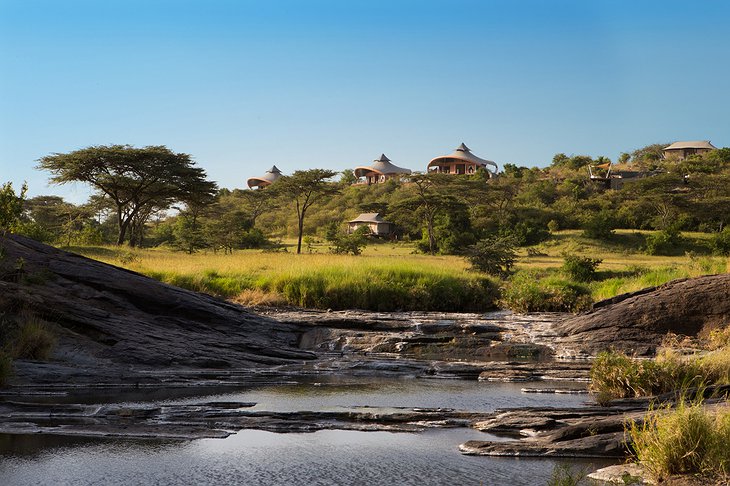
320, 458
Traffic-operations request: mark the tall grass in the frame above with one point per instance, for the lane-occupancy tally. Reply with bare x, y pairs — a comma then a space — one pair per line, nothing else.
687, 439
414, 281
374, 288
615, 375
34, 340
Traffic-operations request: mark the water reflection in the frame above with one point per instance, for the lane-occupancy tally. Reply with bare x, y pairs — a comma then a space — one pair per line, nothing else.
320, 458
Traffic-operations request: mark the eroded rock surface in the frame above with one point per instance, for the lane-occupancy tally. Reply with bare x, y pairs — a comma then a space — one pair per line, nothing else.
637, 322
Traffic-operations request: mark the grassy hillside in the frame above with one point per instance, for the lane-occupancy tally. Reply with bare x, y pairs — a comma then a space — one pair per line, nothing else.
391, 276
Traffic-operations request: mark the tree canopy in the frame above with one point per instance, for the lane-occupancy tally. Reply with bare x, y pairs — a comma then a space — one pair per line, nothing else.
138, 181
305, 188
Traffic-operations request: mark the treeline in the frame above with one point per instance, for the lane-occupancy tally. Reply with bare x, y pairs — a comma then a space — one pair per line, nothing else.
176, 206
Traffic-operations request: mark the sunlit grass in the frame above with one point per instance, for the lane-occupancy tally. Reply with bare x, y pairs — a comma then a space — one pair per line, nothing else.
315, 277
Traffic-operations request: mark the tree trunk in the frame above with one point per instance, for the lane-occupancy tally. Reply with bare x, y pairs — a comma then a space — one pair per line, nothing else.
301, 231
431, 238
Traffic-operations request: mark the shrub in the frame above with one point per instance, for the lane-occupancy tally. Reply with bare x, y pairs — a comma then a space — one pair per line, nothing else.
493, 256
582, 269
720, 242
685, 440
553, 226
664, 242
599, 226
342, 244
526, 292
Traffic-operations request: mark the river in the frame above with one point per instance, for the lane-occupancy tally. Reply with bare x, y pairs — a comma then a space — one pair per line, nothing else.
324, 457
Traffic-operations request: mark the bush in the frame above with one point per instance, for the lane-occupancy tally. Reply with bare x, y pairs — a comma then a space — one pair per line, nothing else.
685, 440
526, 292
553, 226
342, 244
493, 256
720, 242
599, 226
582, 269
664, 242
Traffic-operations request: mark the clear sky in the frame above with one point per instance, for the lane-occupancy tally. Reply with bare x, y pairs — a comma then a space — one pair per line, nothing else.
242, 85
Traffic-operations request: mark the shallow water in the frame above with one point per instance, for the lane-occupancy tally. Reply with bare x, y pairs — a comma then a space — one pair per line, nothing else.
324, 457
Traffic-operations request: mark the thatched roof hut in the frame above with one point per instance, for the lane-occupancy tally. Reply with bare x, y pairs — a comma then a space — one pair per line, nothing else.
683, 150
461, 161
267, 179
379, 171
378, 226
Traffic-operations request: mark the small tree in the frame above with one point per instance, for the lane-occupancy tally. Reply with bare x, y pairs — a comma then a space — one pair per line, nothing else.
582, 269
11, 207
305, 188
494, 255
343, 244
599, 226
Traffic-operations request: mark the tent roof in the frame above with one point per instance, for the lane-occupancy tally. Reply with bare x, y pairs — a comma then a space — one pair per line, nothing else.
369, 218
696, 144
269, 177
463, 153
381, 166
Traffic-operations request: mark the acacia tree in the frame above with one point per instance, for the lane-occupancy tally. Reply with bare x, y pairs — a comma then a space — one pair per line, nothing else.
305, 188
138, 181
429, 196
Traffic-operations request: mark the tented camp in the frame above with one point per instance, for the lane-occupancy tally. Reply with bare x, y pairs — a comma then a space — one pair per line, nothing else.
682, 150
377, 225
461, 161
379, 171
267, 179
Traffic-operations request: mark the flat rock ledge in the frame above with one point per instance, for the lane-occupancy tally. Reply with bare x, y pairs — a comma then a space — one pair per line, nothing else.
552, 432
624, 474
185, 421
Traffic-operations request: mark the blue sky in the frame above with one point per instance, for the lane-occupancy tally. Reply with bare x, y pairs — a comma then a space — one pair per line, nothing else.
243, 85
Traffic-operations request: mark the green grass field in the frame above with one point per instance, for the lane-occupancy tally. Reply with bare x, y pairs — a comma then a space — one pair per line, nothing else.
390, 276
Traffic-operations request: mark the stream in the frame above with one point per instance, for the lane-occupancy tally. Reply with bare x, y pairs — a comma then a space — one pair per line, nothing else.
325, 457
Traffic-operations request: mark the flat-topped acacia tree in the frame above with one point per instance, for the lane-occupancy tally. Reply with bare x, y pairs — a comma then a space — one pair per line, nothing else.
136, 180
305, 188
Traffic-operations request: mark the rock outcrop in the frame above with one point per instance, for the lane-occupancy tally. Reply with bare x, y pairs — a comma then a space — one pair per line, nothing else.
637, 322
114, 324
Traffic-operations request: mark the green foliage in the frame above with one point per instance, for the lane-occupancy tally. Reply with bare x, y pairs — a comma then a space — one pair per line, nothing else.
306, 188
615, 375
11, 207
582, 269
136, 181
379, 289
526, 292
494, 255
664, 242
553, 226
599, 226
687, 439
720, 242
343, 244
